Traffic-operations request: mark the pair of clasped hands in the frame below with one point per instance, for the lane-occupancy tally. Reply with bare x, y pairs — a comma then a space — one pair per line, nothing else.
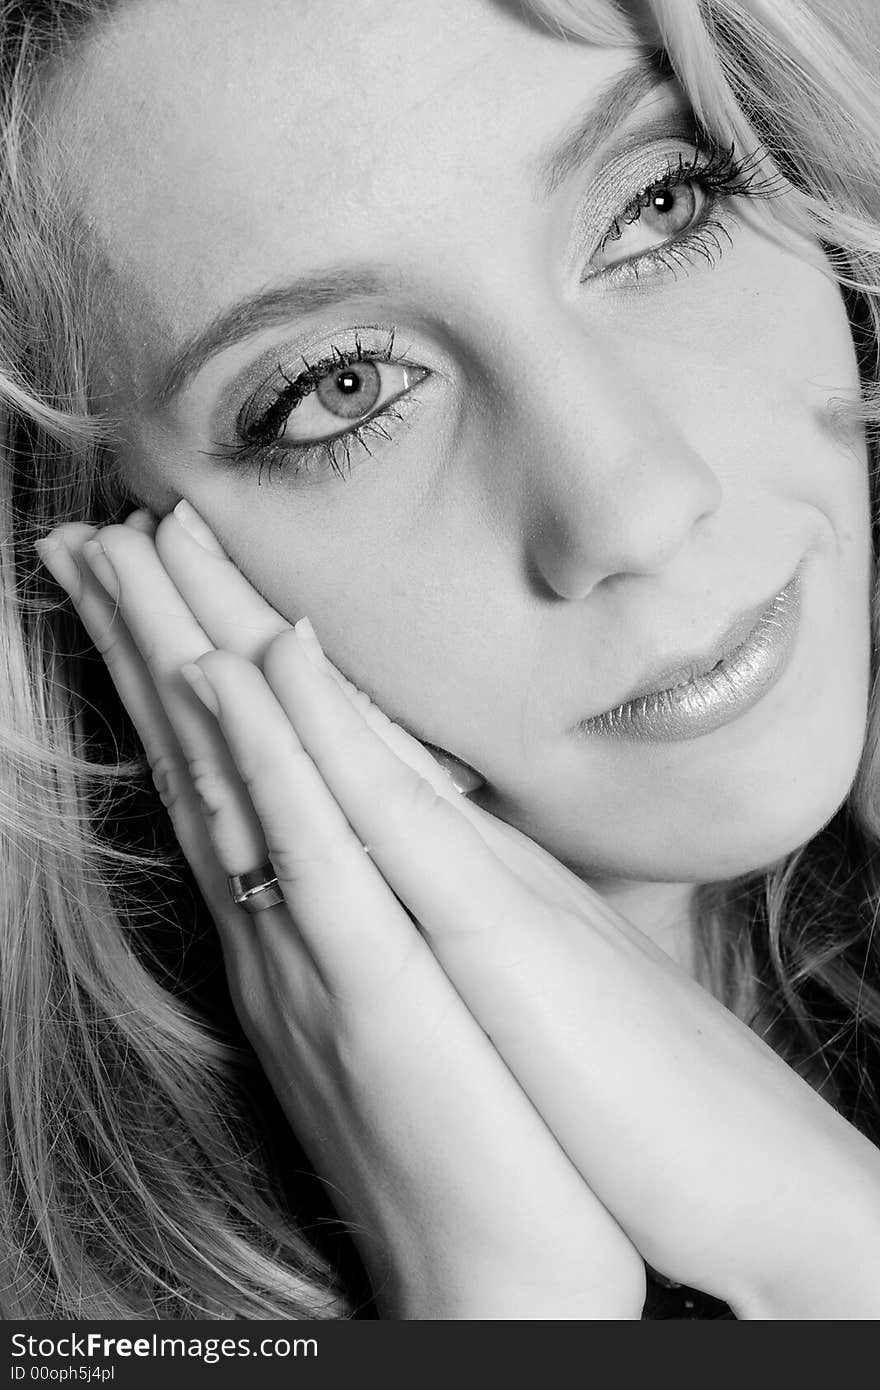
513, 1096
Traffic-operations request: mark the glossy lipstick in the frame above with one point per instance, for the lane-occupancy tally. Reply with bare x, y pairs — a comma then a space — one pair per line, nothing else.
715, 690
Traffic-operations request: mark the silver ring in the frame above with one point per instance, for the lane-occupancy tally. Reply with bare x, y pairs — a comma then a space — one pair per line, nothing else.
256, 890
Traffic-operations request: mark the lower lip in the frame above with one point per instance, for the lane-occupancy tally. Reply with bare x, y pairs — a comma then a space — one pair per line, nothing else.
723, 694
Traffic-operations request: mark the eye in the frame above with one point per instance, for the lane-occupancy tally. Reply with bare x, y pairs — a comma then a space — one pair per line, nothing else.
330, 398
659, 216
682, 214
347, 395
310, 422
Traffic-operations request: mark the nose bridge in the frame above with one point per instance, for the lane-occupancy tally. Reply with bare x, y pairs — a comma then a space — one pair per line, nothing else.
610, 484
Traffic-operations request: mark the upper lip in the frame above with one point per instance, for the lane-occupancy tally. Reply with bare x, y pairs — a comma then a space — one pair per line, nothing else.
686, 668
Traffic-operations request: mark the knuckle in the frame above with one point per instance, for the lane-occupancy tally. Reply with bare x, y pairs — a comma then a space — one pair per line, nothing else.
374, 717
209, 787
414, 799
167, 778
361, 701
295, 864
110, 643
411, 807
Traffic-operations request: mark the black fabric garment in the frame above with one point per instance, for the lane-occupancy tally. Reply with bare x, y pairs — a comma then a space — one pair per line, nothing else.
668, 1300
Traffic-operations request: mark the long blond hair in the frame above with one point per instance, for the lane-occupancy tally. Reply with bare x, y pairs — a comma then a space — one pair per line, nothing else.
131, 1181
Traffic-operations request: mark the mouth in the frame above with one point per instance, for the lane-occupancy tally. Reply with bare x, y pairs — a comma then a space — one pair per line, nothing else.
693, 696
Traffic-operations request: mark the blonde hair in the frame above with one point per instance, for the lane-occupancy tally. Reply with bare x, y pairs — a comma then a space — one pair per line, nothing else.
132, 1182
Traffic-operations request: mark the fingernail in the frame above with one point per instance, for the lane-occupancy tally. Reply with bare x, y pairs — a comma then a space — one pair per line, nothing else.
98, 562
311, 646
464, 778
193, 524
61, 565
200, 685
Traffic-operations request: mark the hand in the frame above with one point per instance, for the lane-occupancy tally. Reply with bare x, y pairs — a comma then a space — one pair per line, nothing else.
726, 1170
461, 1198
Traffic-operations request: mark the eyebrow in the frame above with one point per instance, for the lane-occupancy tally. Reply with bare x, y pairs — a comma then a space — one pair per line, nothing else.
597, 123
323, 288
307, 294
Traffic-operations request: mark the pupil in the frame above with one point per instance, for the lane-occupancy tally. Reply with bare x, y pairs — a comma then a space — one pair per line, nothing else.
664, 201
350, 391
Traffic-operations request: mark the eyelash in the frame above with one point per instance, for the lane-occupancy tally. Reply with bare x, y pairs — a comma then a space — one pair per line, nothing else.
722, 175
262, 440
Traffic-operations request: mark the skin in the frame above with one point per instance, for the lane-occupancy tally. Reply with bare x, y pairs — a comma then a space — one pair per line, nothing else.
567, 444
505, 1139
567, 441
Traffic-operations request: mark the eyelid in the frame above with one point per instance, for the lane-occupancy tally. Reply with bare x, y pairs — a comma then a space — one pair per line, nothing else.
289, 352
621, 184
412, 376
640, 155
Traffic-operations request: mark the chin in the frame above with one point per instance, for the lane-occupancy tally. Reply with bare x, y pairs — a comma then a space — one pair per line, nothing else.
746, 823
734, 847
707, 811
776, 797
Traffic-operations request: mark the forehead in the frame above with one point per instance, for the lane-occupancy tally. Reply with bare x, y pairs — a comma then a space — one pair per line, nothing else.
216, 143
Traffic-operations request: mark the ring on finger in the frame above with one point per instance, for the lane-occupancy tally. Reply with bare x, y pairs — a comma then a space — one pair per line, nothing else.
257, 889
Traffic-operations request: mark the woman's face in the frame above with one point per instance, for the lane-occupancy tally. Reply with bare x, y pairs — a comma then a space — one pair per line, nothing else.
599, 429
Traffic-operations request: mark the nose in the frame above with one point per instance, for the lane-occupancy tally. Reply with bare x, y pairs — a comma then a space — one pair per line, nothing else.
611, 485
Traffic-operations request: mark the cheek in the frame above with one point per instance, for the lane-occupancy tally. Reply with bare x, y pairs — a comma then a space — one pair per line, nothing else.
801, 382
761, 388
411, 624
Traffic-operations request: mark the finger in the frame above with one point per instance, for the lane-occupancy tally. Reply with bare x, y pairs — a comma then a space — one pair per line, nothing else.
103, 622
513, 847
238, 619
409, 749
100, 615
167, 636
356, 930
142, 520
197, 783
427, 849
124, 560
229, 609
